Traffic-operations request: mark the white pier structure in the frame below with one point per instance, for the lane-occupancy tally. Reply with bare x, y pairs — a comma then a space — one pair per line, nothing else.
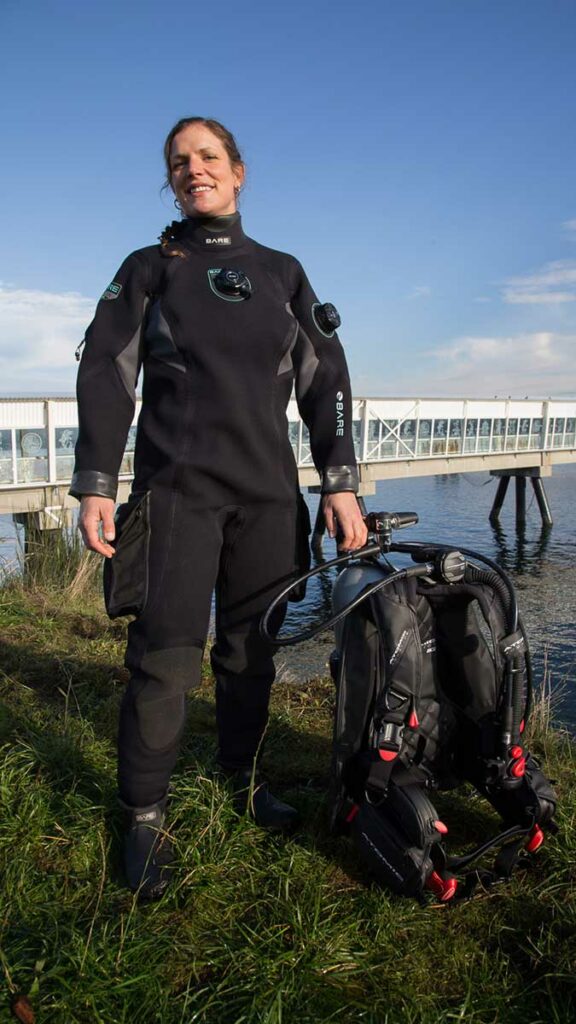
394, 437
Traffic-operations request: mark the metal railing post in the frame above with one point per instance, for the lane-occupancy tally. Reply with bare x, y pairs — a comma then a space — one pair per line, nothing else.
51, 440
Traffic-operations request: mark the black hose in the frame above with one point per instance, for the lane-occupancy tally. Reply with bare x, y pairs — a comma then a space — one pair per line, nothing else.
456, 863
297, 638
511, 606
366, 552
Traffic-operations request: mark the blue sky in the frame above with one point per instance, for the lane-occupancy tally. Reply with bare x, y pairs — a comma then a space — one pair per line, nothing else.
418, 156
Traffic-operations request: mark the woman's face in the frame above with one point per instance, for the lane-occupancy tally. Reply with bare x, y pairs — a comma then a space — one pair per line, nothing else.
201, 175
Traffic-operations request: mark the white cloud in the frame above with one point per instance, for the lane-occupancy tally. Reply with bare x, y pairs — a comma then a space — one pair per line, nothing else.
554, 283
536, 364
39, 332
420, 291
522, 298
539, 363
570, 225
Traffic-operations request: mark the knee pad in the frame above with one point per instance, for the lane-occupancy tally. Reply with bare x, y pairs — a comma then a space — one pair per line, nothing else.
159, 697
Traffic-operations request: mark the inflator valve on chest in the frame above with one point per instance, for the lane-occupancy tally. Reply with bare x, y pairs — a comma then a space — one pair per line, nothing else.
233, 282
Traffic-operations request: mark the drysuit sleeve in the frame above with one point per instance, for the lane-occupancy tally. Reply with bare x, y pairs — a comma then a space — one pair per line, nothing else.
107, 377
323, 391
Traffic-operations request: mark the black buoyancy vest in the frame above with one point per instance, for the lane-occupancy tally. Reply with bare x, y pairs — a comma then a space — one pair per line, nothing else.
420, 687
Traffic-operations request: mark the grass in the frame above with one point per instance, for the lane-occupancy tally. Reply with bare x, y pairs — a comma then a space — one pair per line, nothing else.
255, 928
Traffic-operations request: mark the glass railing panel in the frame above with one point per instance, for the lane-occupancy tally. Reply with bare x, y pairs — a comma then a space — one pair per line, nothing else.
389, 449
64, 467
32, 455
33, 469
439, 446
6, 465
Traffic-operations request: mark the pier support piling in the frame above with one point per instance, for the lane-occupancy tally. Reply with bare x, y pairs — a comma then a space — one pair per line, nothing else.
520, 475
499, 499
542, 500
520, 500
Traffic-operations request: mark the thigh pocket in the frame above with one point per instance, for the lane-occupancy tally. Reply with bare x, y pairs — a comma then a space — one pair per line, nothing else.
126, 573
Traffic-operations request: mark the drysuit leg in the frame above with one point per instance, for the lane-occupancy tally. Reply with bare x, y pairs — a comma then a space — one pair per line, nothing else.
258, 560
165, 645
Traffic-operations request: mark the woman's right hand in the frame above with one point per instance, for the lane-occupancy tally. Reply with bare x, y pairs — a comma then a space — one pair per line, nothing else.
93, 511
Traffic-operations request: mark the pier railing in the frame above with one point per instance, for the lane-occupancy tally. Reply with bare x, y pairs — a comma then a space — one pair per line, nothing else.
37, 438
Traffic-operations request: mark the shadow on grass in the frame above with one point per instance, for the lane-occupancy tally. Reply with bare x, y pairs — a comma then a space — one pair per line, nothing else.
65, 707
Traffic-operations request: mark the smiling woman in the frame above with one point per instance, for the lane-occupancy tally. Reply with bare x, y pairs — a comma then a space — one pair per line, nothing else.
204, 168
223, 332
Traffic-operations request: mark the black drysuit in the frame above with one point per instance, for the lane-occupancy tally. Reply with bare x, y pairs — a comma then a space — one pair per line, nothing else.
213, 452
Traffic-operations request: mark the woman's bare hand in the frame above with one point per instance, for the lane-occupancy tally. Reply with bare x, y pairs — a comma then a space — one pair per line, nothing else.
343, 510
93, 511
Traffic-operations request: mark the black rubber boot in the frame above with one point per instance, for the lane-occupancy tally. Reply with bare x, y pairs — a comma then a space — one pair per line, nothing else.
252, 796
147, 850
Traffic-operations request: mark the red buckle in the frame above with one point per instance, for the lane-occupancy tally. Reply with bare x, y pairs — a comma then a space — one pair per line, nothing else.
443, 888
440, 827
352, 813
518, 768
522, 726
516, 751
387, 755
413, 722
535, 839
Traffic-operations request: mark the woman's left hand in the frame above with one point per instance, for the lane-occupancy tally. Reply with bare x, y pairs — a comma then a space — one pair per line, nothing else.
343, 510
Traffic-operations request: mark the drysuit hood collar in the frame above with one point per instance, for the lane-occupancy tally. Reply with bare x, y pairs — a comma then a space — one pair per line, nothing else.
214, 234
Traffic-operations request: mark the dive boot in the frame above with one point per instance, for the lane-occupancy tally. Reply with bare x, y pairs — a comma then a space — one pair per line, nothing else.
147, 850
252, 796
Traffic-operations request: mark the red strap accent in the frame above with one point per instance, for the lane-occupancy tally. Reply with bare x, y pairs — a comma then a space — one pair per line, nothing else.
535, 839
413, 722
443, 888
516, 751
440, 827
522, 726
518, 768
352, 813
388, 755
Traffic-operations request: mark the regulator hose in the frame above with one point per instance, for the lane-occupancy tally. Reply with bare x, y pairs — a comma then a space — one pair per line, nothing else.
297, 638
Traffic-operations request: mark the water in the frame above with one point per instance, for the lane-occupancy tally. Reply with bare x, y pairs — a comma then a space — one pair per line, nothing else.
454, 510
542, 564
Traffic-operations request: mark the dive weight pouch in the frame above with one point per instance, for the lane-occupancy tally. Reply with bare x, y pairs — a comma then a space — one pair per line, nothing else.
126, 573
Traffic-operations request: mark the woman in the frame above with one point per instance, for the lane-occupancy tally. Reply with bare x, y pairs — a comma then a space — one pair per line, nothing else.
224, 327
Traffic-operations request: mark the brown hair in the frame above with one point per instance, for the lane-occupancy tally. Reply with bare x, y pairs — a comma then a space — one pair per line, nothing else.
222, 133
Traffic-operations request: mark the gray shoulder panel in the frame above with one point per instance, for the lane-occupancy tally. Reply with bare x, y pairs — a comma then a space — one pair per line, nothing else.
309, 363
286, 363
129, 360
159, 340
